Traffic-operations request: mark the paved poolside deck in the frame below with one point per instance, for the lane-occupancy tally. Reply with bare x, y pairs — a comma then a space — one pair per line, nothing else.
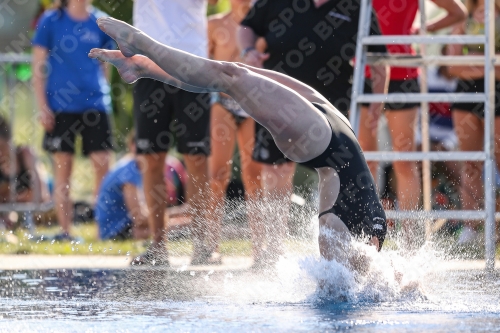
35, 261
230, 263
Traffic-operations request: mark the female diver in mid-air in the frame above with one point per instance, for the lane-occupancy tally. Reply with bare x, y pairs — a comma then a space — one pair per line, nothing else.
304, 125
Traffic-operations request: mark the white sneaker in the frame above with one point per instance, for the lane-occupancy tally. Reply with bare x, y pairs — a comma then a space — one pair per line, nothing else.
468, 235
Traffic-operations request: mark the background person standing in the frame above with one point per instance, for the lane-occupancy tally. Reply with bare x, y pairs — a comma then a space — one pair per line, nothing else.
313, 42
72, 95
230, 124
468, 118
164, 115
402, 116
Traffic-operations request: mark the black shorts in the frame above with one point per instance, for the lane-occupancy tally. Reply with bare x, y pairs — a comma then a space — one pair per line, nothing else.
410, 86
93, 126
165, 115
265, 149
473, 86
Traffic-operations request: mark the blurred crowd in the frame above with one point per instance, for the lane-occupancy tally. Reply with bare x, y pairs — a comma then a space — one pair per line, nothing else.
313, 41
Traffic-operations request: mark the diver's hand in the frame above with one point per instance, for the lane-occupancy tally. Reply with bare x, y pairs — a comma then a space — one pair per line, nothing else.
375, 242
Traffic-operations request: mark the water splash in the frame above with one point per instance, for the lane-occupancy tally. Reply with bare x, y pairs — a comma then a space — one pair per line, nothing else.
386, 276
400, 272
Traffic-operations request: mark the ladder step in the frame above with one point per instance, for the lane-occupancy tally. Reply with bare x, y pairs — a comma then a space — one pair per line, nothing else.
408, 60
26, 206
420, 156
416, 98
15, 57
439, 39
437, 214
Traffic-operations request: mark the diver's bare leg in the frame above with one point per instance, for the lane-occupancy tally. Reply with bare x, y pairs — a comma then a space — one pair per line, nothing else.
133, 68
329, 186
132, 41
299, 129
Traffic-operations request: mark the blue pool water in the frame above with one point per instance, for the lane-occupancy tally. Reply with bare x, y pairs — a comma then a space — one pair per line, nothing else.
285, 300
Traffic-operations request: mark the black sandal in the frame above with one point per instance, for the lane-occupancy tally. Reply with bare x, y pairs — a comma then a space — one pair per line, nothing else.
152, 257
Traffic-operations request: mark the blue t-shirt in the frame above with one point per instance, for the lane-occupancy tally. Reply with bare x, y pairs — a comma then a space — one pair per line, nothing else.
75, 83
111, 212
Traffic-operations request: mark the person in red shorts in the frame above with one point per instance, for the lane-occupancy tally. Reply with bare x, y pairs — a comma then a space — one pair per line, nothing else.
396, 17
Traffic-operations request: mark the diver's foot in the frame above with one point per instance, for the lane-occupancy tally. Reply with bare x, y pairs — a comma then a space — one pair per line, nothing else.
128, 69
124, 34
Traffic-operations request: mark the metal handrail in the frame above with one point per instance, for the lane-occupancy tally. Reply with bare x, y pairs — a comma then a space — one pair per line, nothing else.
26, 206
15, 58
408, 60
449, 39
418, 97
438, 214
489, 134
430, 156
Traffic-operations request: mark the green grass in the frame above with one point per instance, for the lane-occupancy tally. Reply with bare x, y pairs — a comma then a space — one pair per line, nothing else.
24, 243
91, 245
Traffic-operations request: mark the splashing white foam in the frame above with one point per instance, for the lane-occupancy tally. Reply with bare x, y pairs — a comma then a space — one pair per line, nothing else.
381, 277
387, 276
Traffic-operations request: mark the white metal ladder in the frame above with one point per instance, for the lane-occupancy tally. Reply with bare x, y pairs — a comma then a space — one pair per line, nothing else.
487, 155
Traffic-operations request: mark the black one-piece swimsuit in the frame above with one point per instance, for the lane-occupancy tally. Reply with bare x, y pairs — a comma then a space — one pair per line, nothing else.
358, 204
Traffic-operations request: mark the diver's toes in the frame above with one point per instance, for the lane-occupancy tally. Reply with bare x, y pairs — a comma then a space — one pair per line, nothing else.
102, 23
